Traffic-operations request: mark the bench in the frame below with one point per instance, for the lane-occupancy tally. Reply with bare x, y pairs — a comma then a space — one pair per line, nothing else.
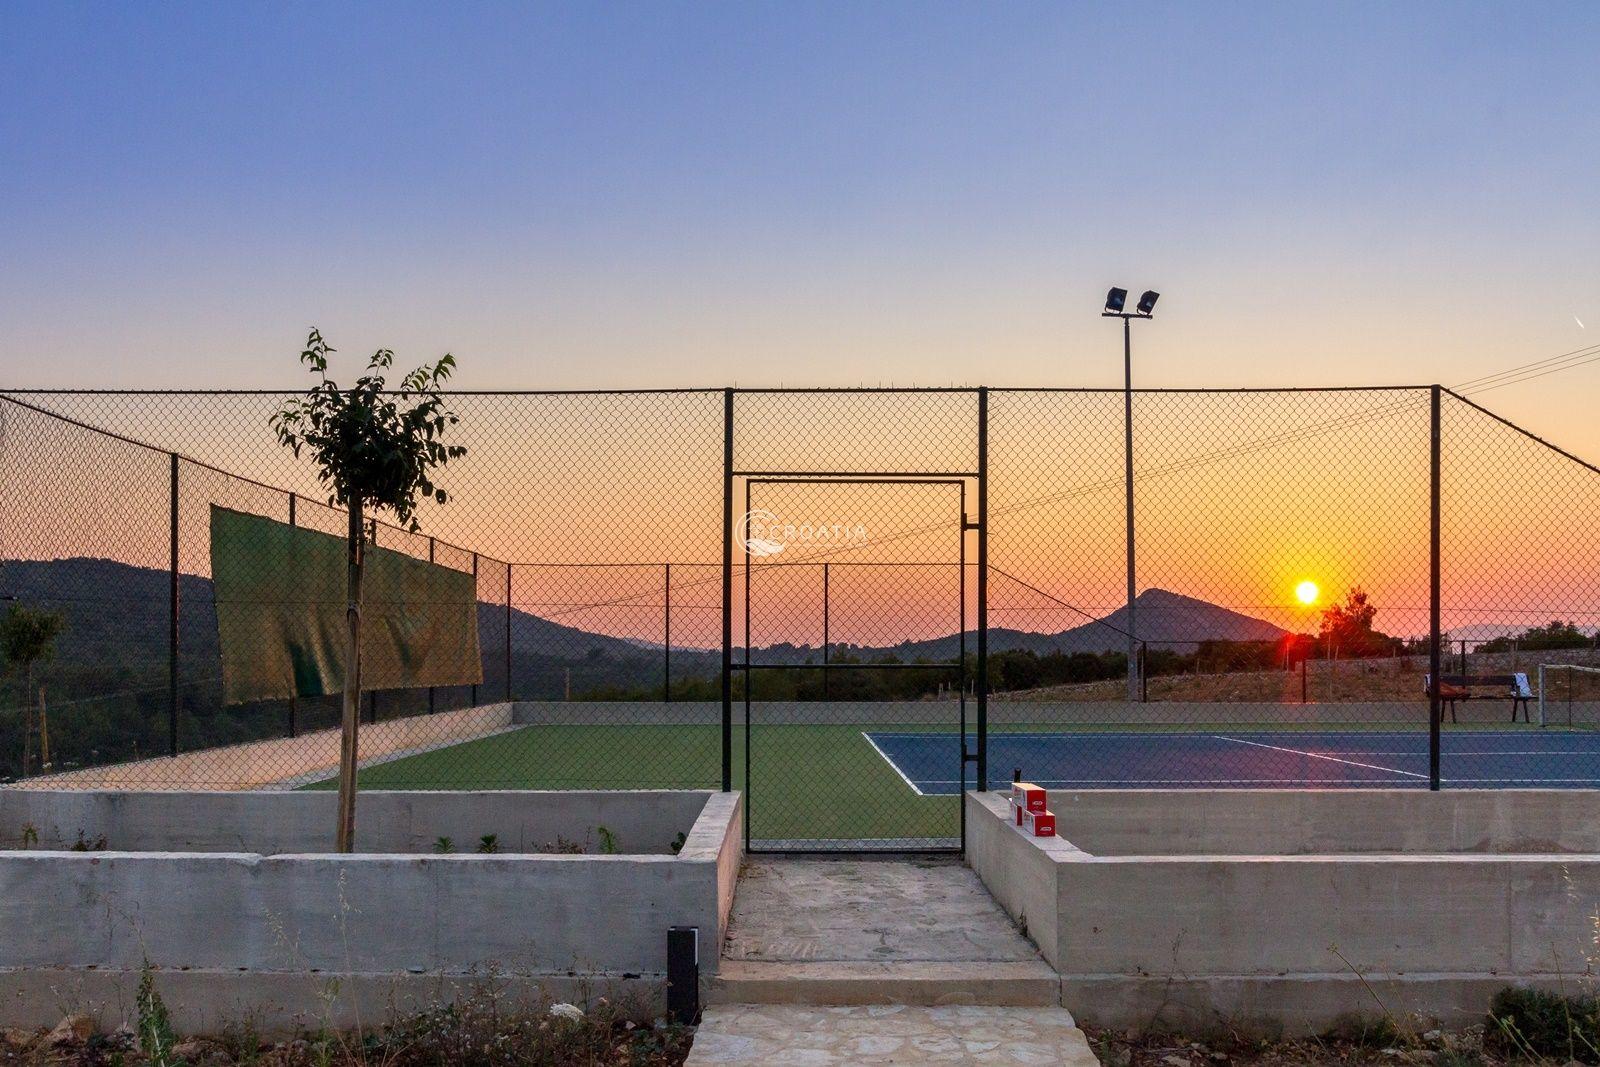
1455, 687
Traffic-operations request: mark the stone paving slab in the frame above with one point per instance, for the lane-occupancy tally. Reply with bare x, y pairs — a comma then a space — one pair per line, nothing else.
796, 910
793, 1036
1015, 983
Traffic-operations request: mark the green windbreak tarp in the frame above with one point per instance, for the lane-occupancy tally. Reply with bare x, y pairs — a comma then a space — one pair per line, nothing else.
280, 593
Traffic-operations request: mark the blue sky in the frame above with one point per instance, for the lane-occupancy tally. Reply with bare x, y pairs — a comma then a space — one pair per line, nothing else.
606, 195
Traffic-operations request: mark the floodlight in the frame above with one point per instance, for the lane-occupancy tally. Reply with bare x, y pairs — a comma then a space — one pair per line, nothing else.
1114, 301
1147, 302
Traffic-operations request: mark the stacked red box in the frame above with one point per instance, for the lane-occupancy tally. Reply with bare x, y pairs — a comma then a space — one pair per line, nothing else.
1030, 807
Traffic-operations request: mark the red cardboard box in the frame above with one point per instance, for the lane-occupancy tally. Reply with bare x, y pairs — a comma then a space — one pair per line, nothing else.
1029, 796
1016, 810
1039, 824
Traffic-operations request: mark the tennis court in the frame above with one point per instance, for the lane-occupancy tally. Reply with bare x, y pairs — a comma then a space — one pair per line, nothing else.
1479, 759
881, 784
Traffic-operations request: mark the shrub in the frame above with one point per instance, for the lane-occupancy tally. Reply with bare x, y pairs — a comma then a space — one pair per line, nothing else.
1540, 1023
1364, 1031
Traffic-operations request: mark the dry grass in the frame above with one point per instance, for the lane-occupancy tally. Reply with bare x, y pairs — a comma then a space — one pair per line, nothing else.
1348, 1045
478, 1030
1382, 680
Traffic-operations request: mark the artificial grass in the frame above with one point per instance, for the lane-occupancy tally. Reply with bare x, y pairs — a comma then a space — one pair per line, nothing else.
811, 782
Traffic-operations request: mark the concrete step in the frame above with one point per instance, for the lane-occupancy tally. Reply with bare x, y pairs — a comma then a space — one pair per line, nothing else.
1029, 983
759, 1035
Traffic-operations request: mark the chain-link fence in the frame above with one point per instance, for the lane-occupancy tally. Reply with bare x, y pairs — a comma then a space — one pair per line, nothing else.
850, 603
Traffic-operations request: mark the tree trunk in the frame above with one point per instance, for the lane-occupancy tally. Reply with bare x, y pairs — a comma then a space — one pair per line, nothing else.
352, 685
27, 719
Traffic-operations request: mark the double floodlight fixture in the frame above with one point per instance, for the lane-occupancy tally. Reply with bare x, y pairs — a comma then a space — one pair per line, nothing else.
1117, 299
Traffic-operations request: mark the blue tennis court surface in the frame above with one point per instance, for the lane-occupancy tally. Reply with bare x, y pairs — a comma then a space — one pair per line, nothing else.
1497, 759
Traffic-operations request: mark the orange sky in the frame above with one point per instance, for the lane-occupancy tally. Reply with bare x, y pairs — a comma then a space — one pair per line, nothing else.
1239, 497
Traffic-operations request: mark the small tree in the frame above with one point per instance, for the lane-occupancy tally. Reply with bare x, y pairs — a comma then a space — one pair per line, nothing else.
375, 450
28, 637
1348, 626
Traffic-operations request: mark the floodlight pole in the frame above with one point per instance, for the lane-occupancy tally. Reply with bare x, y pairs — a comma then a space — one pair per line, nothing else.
1127, 468
1127, 318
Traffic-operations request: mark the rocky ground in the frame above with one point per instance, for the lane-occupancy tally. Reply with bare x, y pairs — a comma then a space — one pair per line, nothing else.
556, 1036
1356, 1044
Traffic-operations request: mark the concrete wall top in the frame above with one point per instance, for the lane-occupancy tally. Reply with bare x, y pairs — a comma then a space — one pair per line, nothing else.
1328, 821
641, 822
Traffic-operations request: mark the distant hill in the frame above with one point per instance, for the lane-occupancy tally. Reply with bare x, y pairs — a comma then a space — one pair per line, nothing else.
1165, 619
117, 621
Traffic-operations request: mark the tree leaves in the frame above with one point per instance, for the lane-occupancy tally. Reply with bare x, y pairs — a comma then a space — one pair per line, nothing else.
368, 444
28, 635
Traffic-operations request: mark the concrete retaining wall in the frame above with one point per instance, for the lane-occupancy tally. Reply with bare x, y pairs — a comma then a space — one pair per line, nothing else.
642, 821
1305, 821
1279, 941
273, 933
283, 760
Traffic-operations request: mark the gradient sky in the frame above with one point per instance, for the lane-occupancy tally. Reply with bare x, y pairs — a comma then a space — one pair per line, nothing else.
606, 196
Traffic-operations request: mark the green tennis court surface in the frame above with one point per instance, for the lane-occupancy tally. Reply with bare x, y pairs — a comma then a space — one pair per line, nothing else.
811, 782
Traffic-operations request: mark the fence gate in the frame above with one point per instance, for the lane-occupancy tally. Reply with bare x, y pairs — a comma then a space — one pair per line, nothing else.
853, 667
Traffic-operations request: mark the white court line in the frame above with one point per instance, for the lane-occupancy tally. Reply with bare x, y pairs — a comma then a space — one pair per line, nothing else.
1318, 755
1084, 783
893, 765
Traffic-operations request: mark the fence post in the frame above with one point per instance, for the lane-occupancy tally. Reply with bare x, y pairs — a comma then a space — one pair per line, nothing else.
474, 697
293, 704
1144, 674
983, 589
431, 543
1434, 651
826, 612
172, 614
727, 592
666, 633
508, 633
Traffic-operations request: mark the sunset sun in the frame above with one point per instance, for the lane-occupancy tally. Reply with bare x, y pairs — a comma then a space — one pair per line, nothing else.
1306, 592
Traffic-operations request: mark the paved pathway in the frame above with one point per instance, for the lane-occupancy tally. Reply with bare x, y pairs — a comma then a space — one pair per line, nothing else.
891, 961
913, 910
743, 1035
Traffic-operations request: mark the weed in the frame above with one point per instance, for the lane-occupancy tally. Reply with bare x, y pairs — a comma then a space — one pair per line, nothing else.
30, 836
1364, 1031
156, 1038
1537, 1023
444, 845
608, 841
679, 841
562, 846
83, 844
489, 844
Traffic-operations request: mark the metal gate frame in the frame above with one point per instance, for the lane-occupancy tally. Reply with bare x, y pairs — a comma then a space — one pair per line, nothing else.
980, 525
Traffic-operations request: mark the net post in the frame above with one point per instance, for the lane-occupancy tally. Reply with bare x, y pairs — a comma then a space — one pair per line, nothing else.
1434, 651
